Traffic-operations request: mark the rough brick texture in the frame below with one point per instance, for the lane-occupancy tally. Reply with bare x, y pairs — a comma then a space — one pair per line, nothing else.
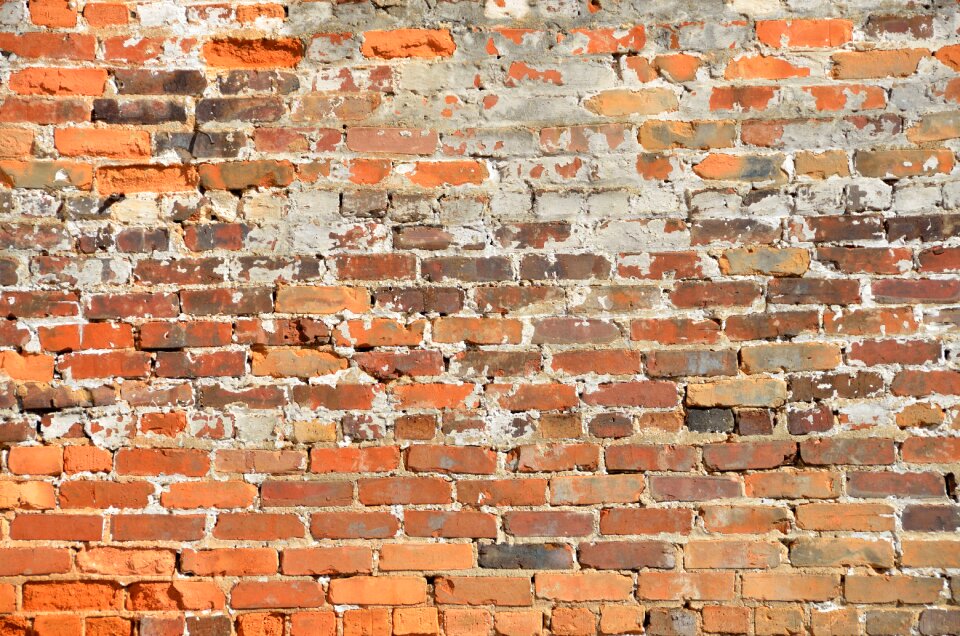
479, 317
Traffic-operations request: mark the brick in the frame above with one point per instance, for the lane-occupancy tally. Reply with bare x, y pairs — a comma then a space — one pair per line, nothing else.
548, 523
693, 488
878, 484
740, 392
131, 179
790, 587
126, 562
190, 463
179, 595
801, 291
240, 53
150, 112
763, 67
260, 623
598, 489
506, 301
793, 485
426, 557
392, 140
526, 556
35, 561
710, 420
322, 300
315, 494
714, 586
886, 589
46, 174
229, 562
522, 623
35, 460
458, 524
779, 620
749, 455
472, 460
58, 81
730, 555
723, 294
229, 494
353, 525
581, 587
392, 590
157, 527
939, 621
877, 63
783, 262
836, 552
124, 364
257, 526
104, 14
804, 33
277, 594
393, 490
86, 142
703, 135
72, 596
407, 43
323, 623
99, 494
246, 174
623, 555
902, 163
43, 45
691, 362
854, 517
622, 521
499, 591
621, 102
648, 457
848, 451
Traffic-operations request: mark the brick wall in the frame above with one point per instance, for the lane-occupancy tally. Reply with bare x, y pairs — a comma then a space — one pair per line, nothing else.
512, 317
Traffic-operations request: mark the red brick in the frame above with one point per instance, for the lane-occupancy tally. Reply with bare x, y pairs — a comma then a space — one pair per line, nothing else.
458, 524
72, 596
257, 527
191, 463
327, 561
353, 525
277, 594
126, 562
179, 595
52, 527
500, 591
34, 561
229, 562
157, 527
220, 494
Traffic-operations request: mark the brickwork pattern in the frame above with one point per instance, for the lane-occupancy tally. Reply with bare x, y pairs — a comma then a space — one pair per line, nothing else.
479, 317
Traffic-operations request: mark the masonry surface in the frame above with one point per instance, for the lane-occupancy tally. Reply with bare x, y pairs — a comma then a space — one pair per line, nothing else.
515, 318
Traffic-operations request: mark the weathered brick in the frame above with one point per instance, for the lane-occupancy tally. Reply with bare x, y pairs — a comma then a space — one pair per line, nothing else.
557, 287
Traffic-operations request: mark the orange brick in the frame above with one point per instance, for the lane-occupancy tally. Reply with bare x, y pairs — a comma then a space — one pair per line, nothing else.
58, 81
101, 142
406, 43
253, 53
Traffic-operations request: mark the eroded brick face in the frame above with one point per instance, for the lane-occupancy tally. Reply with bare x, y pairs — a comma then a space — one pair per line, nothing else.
479, 318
